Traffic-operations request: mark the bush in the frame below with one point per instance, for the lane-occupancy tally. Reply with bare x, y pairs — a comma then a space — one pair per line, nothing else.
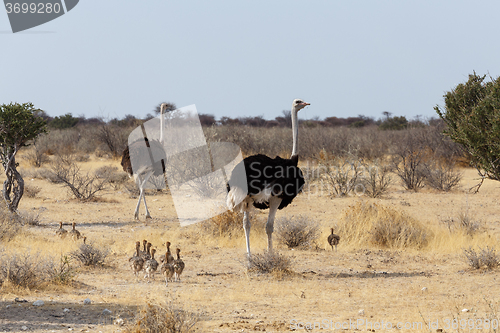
409, 158
38, 154
21, 270
297, 232
472, 258
89, 255
370, 223
270, 262
376, 179
442, 176
31, 191
115, 177
40, 173
10, 223
341, 175
113, 137
29, 218
60, 272
486, 257
83, 186
33, 271
163, 319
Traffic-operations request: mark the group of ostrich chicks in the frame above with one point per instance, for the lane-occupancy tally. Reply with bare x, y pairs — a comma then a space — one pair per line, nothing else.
73, 233
145, 260
142, 259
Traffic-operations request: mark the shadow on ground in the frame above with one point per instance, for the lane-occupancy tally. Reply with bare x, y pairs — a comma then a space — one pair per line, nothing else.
52, 315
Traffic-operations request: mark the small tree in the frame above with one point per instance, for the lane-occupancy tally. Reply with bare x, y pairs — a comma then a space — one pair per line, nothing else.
472, 113
19, 123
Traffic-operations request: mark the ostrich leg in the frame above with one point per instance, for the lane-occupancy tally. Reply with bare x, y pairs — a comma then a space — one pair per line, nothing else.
274, 203
246, 227
141, 195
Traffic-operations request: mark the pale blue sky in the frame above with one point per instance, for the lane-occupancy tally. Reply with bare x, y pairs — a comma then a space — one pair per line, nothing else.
234, 58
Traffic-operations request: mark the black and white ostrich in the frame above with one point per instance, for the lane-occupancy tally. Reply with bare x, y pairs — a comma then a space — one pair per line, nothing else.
269, 183
147, 162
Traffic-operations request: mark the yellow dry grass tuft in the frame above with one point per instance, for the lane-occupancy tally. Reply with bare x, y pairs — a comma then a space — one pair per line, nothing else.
154, 318
10, 223
226, 230
371, 223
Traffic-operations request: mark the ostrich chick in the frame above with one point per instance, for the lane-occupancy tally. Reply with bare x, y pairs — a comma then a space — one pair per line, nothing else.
333, 240
137, 261
168, 254
61, 232
151, 265
178, 265
75, 234
167, 268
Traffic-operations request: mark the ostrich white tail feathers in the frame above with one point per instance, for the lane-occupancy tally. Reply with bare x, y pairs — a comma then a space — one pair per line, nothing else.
236, 198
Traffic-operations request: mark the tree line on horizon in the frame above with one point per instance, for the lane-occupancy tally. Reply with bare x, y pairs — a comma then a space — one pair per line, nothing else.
388, 122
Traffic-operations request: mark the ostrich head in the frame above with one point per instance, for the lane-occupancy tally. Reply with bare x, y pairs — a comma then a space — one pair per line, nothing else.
299, 104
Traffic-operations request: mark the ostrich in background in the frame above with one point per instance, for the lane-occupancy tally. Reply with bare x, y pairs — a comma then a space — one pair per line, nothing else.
148, 169
270, 183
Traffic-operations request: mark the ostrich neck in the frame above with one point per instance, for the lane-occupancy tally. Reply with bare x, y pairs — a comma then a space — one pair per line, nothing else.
295, 131
161, 124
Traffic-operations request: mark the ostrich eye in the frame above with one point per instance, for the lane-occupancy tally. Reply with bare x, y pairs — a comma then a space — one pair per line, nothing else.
298, 102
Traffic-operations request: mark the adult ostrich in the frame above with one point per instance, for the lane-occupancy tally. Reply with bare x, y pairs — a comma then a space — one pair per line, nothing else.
144, 163
269, 183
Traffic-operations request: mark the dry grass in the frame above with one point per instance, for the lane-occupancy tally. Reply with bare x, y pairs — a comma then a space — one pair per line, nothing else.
31, 191
30, 271
154, 318
10, 223
370, 223
226, 229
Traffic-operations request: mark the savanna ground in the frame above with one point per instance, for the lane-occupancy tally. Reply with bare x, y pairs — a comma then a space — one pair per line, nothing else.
431, 283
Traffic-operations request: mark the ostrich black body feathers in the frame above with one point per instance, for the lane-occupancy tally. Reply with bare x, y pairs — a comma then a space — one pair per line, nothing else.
281, 177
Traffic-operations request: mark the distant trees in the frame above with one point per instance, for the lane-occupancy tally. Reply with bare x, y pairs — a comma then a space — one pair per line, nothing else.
472, 116
207, 119
66, 121
394, 123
